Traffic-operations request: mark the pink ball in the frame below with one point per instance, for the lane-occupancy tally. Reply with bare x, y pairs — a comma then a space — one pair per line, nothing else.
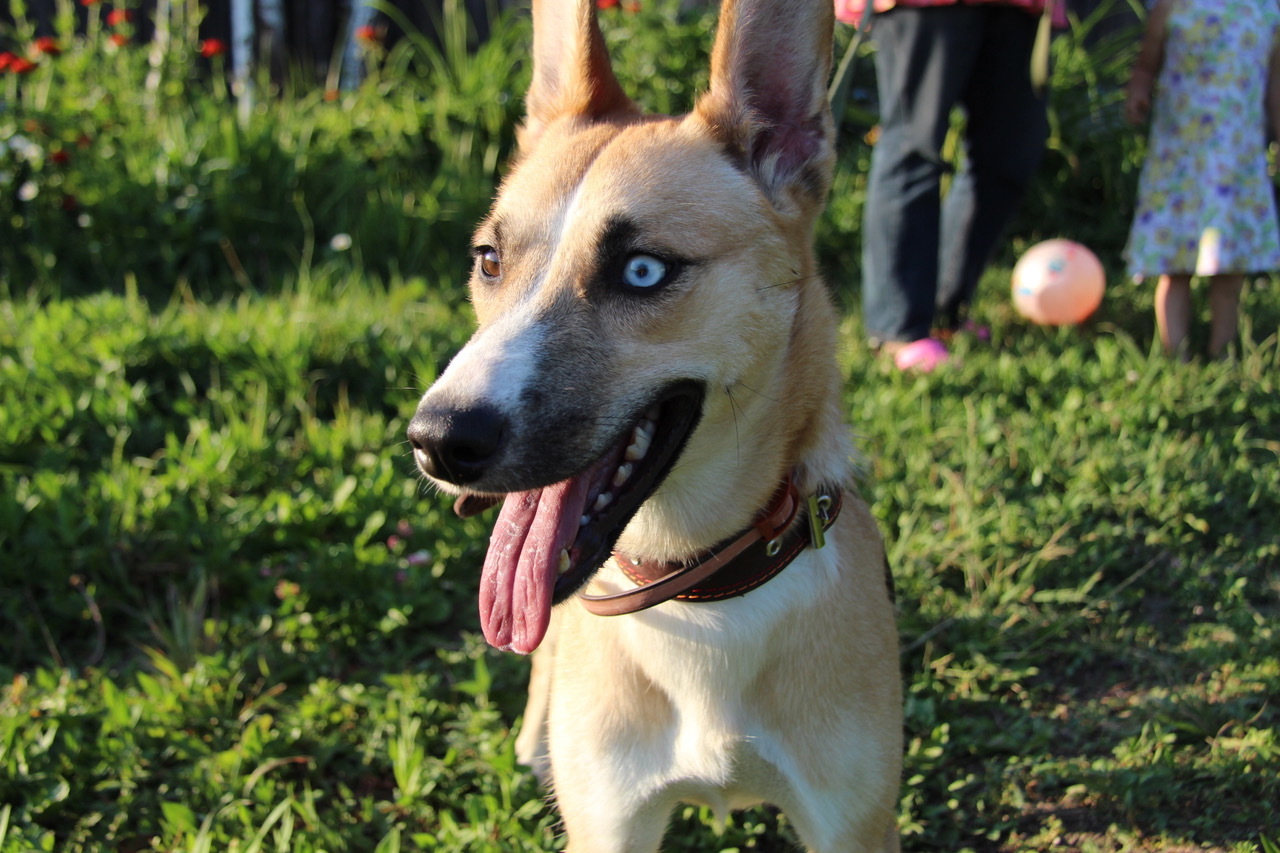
1057, 283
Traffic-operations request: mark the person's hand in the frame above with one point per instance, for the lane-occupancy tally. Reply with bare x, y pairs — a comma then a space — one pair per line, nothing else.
1137, 104
849, 12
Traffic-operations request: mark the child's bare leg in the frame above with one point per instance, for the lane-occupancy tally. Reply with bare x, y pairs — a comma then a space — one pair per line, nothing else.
1224, 311
1173, 313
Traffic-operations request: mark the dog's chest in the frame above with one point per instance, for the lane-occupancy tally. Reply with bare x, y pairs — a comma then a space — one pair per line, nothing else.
720, 749
714, 664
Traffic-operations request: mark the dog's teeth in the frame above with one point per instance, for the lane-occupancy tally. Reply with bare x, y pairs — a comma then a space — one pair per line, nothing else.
639, 445
622, 474
564, 562
603, 501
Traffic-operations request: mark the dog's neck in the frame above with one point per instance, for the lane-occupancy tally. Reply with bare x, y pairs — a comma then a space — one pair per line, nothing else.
782, 530
784, 422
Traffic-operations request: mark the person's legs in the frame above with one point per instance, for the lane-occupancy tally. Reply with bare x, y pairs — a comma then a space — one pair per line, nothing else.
1224, 311
1004, 143
1173, 313
923, 57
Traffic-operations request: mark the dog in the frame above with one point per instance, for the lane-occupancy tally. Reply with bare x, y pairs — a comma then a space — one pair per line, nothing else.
652, 394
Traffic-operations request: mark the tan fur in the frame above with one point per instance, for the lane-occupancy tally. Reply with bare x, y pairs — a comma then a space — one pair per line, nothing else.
789, 695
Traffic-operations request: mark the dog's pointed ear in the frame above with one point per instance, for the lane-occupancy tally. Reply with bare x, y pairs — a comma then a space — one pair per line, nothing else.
767, 103
571, 70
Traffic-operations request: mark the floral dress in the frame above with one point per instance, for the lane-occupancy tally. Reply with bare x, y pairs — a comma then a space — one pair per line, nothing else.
1205, 202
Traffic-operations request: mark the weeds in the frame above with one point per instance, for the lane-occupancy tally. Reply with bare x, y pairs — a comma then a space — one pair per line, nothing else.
231, 617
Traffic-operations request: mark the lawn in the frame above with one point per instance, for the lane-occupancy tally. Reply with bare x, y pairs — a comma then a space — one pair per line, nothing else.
232, 617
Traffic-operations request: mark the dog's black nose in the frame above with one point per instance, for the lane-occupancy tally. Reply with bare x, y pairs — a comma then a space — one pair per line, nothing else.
456, 445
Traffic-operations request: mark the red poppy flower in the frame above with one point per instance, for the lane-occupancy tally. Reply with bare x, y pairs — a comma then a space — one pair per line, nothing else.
47, 45
6, 60
22, 65
210, 48
119, 40
606, 4
116, 17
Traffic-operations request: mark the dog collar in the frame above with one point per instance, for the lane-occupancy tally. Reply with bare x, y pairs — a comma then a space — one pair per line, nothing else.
735, 566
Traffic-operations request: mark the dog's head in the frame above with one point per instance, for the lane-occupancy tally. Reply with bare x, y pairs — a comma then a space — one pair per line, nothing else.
634, 272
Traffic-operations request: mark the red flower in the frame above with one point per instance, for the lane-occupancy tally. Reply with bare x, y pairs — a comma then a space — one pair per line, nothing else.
60, 157
48, 45
210, 48
6, 60
22, 65
88, 2
367, 35
116, 17
119, 40
606, 4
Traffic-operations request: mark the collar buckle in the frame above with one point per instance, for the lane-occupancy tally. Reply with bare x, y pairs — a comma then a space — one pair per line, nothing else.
819, 520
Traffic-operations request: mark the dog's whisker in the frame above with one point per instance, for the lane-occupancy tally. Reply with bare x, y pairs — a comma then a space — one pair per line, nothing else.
790, 282
759, 394
735, 409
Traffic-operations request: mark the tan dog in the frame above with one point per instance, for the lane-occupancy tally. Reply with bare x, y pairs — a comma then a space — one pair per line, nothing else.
654, 377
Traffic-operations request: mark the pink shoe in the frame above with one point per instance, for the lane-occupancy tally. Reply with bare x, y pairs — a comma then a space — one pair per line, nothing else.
923, 355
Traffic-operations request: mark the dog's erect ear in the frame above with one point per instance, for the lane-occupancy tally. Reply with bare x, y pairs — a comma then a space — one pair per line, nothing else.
571, 70
768, 98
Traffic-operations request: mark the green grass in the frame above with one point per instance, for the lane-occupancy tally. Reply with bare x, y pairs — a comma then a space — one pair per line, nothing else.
232, 618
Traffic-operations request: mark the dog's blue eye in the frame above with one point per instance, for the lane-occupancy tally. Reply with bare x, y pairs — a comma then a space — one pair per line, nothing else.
644, 271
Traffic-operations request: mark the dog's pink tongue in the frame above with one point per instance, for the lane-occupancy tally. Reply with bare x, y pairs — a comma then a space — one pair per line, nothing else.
519, 574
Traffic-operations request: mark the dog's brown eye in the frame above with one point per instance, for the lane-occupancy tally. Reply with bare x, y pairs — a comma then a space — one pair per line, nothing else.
490, 266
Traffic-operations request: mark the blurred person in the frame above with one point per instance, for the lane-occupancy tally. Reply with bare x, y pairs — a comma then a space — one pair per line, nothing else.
1206, 205
923, 256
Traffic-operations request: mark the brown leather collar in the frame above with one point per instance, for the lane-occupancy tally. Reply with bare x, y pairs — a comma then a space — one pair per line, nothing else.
735, 566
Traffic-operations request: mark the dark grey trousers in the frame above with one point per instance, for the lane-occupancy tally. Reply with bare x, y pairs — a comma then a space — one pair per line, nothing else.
922, 257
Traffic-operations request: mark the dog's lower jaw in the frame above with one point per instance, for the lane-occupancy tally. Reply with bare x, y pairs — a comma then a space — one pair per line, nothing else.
548, 542
655, 447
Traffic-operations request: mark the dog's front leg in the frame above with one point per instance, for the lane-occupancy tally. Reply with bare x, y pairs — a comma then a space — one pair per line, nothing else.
600, 815
610, 740
531, 743
592, 826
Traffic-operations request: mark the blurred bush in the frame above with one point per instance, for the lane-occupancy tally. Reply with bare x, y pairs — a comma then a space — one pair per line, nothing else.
119, 159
